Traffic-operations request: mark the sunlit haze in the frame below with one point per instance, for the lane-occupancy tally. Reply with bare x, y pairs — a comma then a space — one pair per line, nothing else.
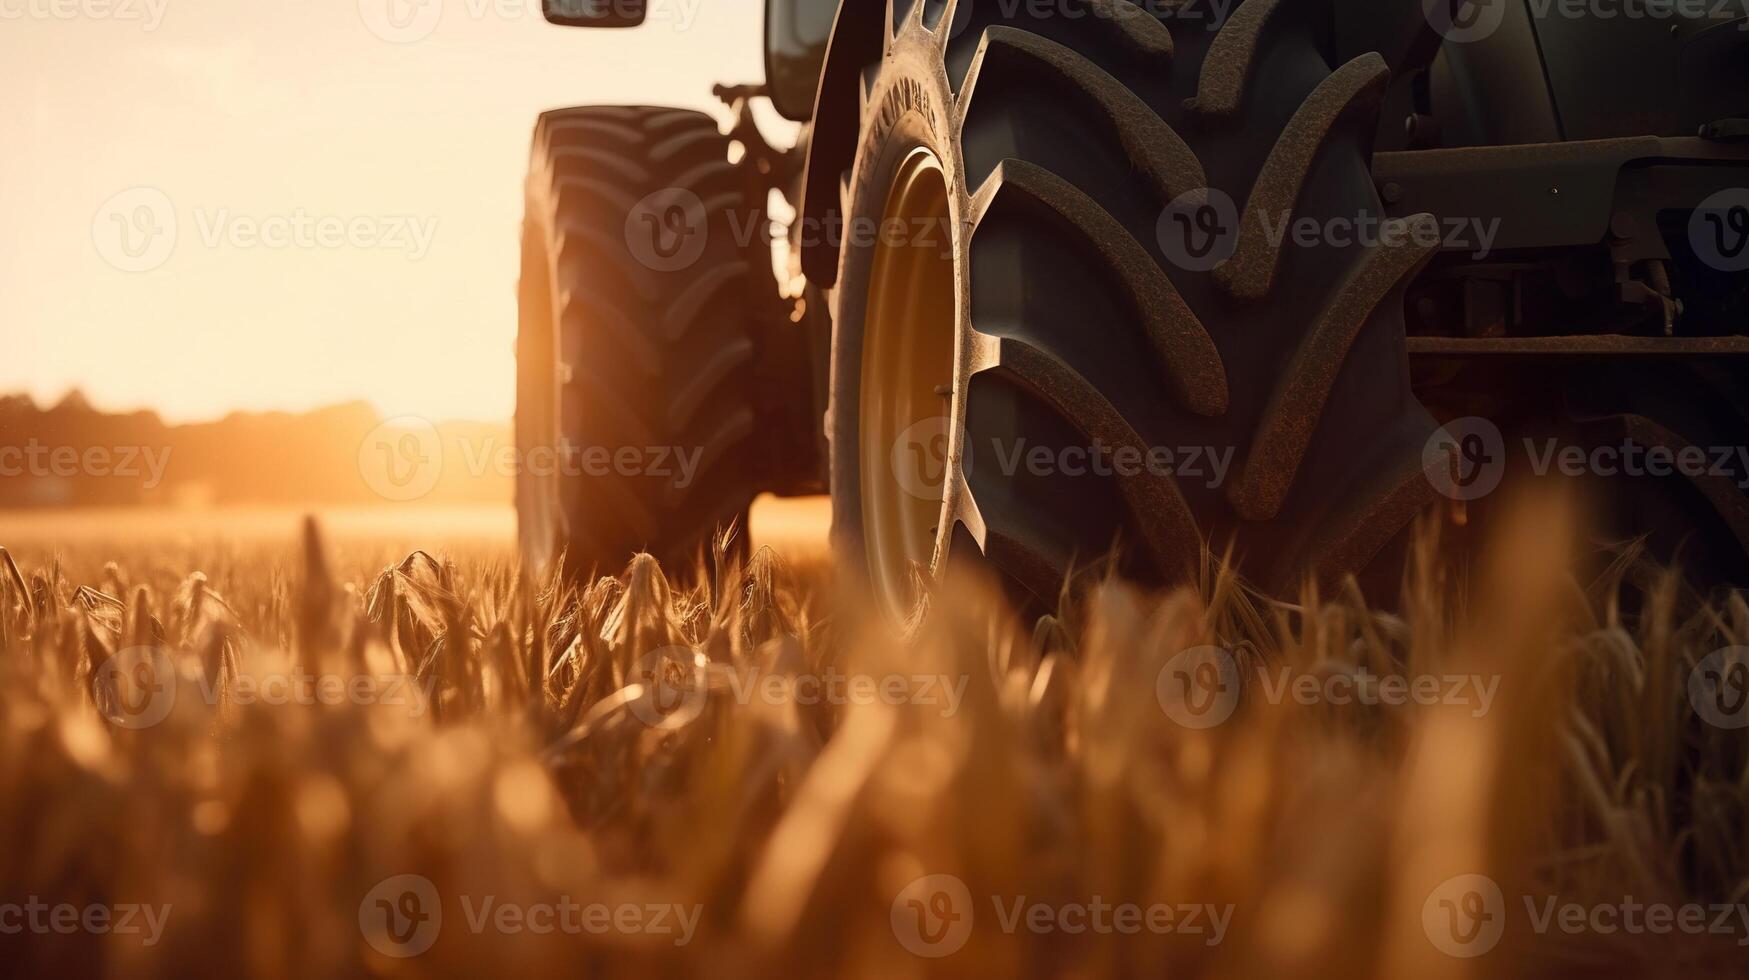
345, 206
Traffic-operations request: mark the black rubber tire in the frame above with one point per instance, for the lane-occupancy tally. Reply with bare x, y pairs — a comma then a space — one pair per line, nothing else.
625, 349
1064, 139
1695, 517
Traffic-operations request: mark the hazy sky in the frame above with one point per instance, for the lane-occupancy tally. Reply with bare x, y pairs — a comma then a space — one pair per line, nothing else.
345, 207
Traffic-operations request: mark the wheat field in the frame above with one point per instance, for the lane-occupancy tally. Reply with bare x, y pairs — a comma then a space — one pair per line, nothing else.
320, 761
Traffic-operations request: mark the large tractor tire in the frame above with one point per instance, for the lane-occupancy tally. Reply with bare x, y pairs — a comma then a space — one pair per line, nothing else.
1069, 147
1648, 448
636, 414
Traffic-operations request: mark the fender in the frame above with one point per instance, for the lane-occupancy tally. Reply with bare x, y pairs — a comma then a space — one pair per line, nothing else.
859, 39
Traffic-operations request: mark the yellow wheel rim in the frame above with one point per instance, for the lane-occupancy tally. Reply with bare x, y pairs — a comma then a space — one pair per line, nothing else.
907, 378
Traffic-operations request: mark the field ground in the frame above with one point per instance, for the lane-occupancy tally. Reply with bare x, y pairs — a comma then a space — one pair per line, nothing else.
794, 527
746, 774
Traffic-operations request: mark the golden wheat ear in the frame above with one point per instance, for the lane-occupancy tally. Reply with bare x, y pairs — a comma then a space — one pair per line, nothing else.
14, 580
13, 575
315, 598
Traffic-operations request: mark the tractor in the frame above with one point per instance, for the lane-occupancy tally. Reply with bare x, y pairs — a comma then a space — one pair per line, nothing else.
1124, 283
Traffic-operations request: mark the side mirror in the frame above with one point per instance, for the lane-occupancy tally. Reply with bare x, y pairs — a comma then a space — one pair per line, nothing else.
796, 35
595, 13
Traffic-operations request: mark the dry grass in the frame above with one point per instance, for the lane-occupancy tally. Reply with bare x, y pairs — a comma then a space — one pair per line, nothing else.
533, 771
